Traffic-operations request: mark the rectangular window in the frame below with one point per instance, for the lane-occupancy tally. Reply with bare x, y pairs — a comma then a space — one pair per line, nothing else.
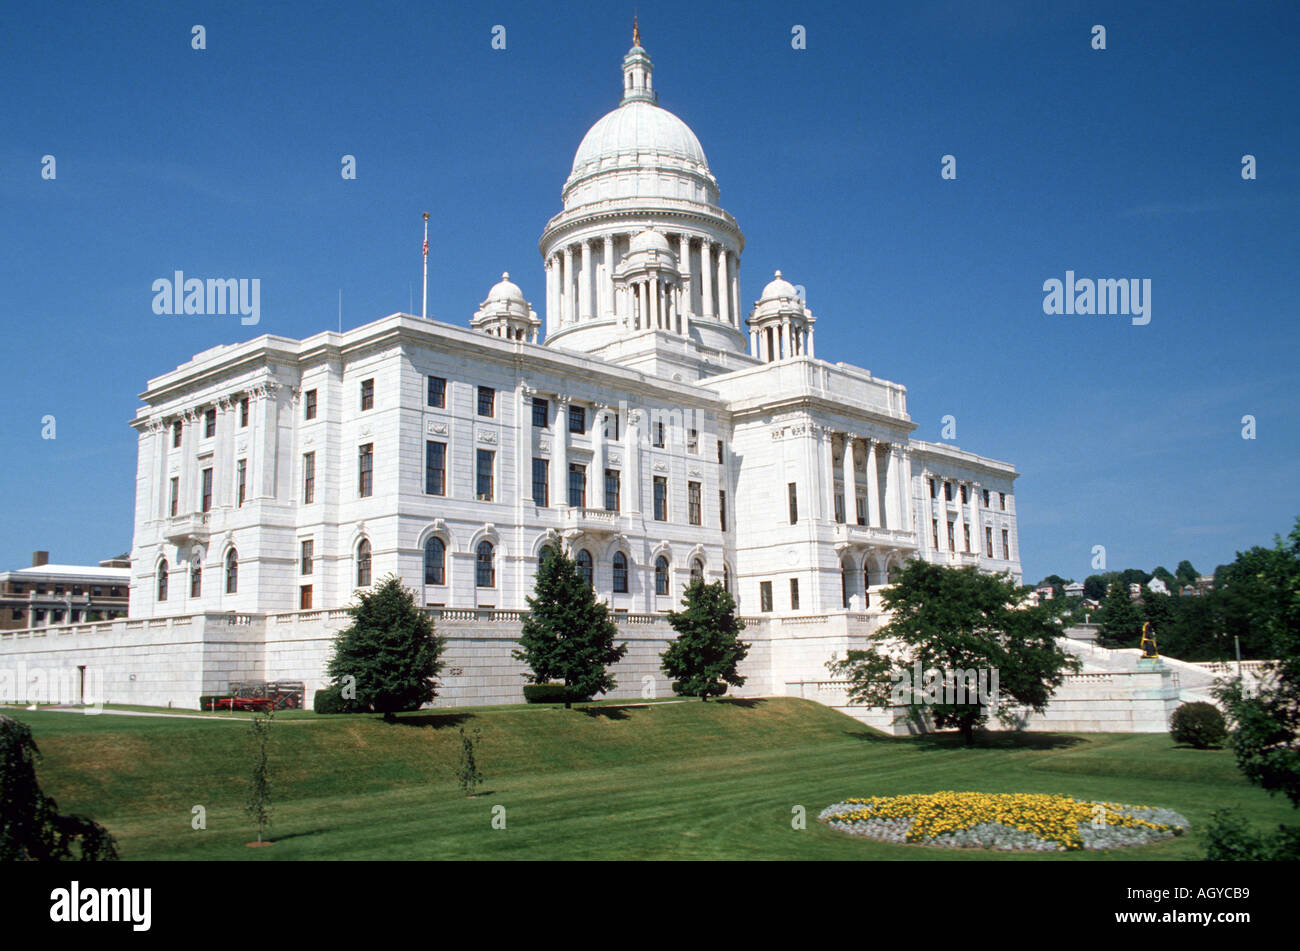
196, 583
209, 423
1006, 546
947, 491
577, 419
542, 482
483, 472
577, 485
986, 498
435, 468
794, 594
964, 496
952, 537
487, 398
659, 434
839, 506
765, 596
243, 412
693, 441
611, 426
720, 453
366, 470
176, 434
309, 405
612, 488
308, 550
934, 531
1002, 501
205, 502
661, 499
367, 394
175, 501
933, 491
722, 509
862, 510
541, 412
308, 478
693, 507
988, 540
792, 501
241, 487
304, 598
436, 394
966, 527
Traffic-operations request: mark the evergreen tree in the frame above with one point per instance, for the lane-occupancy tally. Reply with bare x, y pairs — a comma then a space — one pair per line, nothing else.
390, 649
1121, 623
1185, 573
568, 636
31, 828
259, 794
704, 658
1094, 587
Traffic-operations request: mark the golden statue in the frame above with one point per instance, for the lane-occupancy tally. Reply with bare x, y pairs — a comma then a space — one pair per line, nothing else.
1149, 640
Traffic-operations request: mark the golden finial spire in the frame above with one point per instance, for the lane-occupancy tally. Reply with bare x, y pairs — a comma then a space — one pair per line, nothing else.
636, 32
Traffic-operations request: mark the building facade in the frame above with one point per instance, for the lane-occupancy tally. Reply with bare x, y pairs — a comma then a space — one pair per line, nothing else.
45, 594
657, 431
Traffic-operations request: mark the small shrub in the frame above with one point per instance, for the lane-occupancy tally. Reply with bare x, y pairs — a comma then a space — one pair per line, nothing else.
467, 772
330, 700
1198, 724
551, 693
1230, 839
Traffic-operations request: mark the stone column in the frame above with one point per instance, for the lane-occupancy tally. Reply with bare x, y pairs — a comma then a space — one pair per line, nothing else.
524, 442
976, 537
632, 462
596, 480
560, 454
607, 297
906, 521
724, 306
942, 516
706, 277
552, 317
585, 282
828, 475
654, 302
733, 316
684, 269
873, 486
810, 342
566, 289
753, 343
850, 482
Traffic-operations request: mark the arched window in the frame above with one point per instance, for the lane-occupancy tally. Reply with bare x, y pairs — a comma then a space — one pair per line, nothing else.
584, 565
196, 582
620, 573
162, 580
363, 563
661, 575
485, 573
232, 571
697, 570
435, 561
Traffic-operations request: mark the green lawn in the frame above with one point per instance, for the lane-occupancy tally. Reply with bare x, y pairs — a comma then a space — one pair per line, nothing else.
663, 781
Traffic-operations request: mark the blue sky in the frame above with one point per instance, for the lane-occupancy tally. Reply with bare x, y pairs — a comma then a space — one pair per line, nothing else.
1119, 163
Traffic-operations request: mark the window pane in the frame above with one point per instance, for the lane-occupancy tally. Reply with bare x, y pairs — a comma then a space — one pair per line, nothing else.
484, 474
435, 468
437, 395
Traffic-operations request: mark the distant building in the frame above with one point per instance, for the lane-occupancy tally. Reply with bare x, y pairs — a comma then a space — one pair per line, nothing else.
1074, 589
1046, 592
1156, 586
46, 594
1135, 592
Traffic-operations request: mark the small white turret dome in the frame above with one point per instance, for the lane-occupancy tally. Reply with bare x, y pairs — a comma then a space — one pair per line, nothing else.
650, 240
506, 290
778, 288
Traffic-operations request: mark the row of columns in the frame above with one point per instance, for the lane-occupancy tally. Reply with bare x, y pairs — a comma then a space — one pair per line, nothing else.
938, 506
577, 291
780, 340
895, 514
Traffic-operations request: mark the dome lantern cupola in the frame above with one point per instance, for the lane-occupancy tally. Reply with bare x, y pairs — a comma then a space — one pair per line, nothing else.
780, 325
636, 72
650, 277
505, 313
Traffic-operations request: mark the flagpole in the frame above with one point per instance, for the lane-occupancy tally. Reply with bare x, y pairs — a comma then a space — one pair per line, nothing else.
424, 297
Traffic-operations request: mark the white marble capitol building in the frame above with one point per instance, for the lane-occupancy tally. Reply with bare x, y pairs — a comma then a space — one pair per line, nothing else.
656, 426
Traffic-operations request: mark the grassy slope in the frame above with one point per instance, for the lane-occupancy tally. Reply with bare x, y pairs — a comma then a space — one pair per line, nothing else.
685, 780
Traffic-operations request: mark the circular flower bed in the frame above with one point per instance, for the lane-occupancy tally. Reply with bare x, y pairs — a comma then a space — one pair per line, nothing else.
1027, 822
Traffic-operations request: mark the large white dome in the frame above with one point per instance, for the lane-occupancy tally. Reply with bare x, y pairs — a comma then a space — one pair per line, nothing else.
641, 131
